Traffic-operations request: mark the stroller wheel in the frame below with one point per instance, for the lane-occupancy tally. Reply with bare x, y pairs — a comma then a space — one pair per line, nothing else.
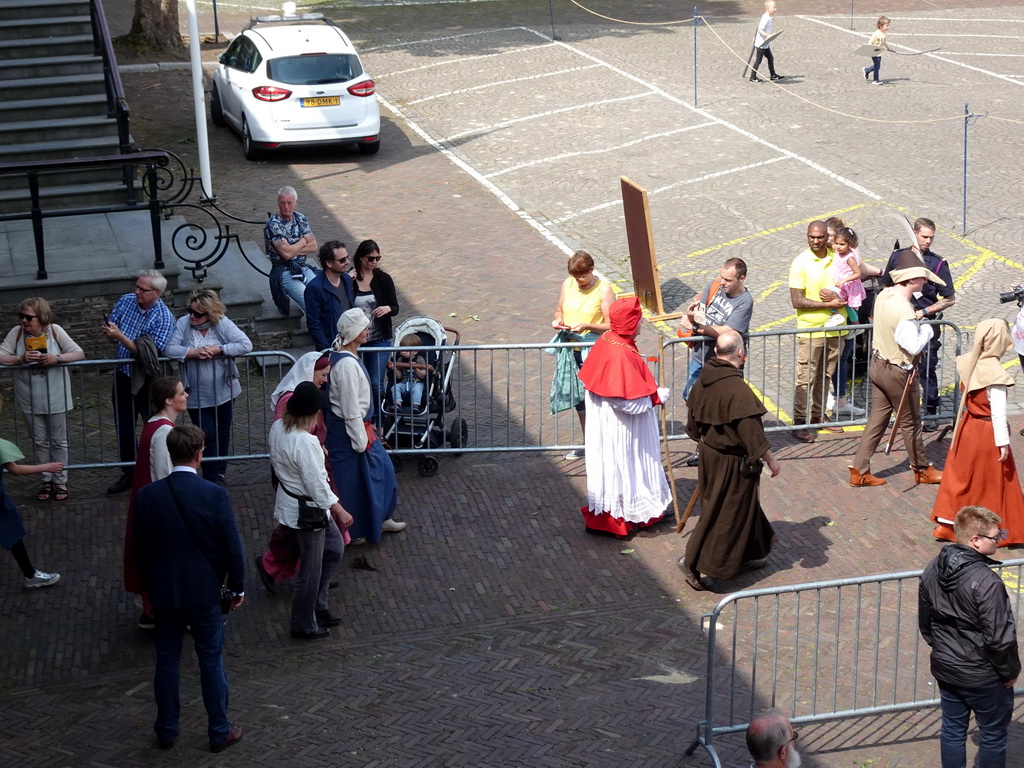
458, 435
428, 466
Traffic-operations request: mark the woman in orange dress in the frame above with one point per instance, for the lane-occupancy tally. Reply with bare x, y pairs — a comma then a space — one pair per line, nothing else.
979, 468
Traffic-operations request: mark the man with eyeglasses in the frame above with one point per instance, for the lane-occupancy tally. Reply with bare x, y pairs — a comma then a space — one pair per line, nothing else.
771, 741
139, 325
965, 616
329, 294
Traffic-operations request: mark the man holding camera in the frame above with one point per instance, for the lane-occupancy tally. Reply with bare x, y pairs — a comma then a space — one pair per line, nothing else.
929, 303
186, 544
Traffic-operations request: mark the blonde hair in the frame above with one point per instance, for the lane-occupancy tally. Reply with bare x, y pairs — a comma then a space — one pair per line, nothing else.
41, 306
881, 21
209, 302
973, 521
300, 423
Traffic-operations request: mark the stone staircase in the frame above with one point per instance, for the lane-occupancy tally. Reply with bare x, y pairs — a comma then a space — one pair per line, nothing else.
55, 103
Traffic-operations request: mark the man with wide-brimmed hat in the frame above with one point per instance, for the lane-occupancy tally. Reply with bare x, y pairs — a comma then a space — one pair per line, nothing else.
899, 336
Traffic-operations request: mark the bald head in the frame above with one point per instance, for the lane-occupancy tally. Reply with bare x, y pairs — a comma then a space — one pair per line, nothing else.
770, 740
730, 347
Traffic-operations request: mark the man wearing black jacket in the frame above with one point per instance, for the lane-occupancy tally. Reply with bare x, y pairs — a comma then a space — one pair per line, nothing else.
964, 615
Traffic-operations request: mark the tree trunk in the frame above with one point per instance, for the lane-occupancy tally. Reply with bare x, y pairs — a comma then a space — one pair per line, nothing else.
156, 24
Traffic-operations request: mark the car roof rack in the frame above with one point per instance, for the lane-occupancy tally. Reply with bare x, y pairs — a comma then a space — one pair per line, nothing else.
290, 19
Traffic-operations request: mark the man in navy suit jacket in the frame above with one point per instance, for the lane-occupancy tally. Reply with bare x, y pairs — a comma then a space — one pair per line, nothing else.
186, 544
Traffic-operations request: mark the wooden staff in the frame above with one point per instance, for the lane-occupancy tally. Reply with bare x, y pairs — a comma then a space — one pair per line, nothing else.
903, 404
689, 508
664, 430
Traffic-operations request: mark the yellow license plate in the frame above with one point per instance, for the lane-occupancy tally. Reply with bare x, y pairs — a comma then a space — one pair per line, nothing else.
322, 101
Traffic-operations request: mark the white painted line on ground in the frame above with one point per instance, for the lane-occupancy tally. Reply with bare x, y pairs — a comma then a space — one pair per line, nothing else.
565, 155
463, 60
965, 53
502, 82
925, 18
943, 34
550, 112
914, 50
667, 187
708, 116
407, 43
490, 187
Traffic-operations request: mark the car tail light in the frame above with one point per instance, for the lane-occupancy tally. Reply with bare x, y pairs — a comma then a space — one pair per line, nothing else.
270, 93
365, 88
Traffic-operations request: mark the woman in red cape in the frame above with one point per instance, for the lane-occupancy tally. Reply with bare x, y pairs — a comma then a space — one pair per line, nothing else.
979, 468
626, 485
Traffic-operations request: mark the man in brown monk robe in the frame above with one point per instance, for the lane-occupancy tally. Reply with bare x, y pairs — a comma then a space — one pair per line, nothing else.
732, 533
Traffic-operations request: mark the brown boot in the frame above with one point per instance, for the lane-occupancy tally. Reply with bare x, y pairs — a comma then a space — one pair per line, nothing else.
927, 476
857, 480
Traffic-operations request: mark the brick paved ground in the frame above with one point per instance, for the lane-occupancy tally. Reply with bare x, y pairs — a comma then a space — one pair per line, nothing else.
495, 632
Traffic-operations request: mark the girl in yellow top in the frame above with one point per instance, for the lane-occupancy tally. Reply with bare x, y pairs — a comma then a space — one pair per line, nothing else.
878, 39
583, 307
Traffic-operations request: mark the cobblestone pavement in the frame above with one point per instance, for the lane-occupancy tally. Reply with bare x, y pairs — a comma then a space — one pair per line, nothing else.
494, 631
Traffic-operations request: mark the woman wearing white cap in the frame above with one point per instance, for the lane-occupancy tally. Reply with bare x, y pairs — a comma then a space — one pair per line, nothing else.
361, 467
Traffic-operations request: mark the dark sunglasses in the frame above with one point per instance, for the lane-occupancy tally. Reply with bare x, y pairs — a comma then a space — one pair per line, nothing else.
372, 258
23, 316
198, 314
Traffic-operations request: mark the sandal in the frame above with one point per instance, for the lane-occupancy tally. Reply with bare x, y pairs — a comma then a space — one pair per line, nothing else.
60, 493
45, 492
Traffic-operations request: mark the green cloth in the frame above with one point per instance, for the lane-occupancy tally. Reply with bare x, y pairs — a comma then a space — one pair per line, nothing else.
566, 387
9, 452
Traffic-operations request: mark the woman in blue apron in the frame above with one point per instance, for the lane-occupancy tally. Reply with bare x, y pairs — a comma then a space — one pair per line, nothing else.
362, 470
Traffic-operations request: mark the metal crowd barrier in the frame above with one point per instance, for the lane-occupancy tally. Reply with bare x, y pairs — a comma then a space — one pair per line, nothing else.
829, 650
494, 398
92, 436
772, 369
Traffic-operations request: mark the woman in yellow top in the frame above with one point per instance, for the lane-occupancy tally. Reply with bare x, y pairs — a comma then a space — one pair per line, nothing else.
583, 309
878, 39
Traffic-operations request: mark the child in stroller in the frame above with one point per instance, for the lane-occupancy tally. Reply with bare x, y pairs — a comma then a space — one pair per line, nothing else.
409, 370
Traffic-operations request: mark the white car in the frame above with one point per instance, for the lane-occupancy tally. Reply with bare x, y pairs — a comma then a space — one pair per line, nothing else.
289, 81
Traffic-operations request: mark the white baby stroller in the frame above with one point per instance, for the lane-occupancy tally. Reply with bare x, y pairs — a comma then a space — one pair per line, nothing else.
417, 423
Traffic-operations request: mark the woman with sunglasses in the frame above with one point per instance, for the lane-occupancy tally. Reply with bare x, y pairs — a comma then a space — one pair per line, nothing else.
375, 295
980, 470
42, 391
207, 343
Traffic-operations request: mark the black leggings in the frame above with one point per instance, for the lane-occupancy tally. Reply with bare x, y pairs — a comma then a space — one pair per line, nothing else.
764, 53
21, 558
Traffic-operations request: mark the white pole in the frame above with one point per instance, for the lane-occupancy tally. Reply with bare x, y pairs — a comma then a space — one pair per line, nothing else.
198, 97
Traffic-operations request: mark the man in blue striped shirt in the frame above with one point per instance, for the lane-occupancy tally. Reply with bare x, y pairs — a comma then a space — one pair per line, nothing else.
136, 314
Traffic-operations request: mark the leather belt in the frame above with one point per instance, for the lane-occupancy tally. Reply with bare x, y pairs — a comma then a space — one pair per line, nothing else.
903, 366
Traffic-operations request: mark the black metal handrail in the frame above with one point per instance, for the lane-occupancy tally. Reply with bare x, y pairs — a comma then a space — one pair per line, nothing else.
117, 104
31, 170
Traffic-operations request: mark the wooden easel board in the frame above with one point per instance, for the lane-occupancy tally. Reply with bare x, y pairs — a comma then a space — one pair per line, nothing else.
642, 261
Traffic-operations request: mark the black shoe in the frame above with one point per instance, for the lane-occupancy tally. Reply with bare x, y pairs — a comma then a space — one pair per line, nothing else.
776, 77
266, 578
694, 460
147, 622
327, 619
756, 79
319, 634
234, 736
930, 426
123, 483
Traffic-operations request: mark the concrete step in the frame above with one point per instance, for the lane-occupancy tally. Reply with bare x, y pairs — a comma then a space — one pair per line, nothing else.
27, 48
94, 194
16, 185
53, 108
60, 26
20, 9
49, 66
56, 150
67, 86
58, 130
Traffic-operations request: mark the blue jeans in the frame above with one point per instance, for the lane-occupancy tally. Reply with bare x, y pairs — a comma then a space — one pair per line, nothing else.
992, 707
215, 421
692, 373
376, 368
296, 289
414, 388
876, 67
207, 626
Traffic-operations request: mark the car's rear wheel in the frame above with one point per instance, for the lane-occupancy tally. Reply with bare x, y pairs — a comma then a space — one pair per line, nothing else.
248, 145
369, 147
216, 111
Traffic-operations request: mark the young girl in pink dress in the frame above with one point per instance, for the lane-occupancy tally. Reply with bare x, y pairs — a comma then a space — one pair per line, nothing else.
848, 272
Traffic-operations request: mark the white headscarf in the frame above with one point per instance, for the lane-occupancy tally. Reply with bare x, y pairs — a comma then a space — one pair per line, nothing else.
300, 372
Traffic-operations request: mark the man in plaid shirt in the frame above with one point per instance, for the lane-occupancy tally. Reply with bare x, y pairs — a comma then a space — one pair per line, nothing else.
141, 313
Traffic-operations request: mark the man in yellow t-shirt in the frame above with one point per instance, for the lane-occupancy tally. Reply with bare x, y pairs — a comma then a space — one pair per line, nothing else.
811, 285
